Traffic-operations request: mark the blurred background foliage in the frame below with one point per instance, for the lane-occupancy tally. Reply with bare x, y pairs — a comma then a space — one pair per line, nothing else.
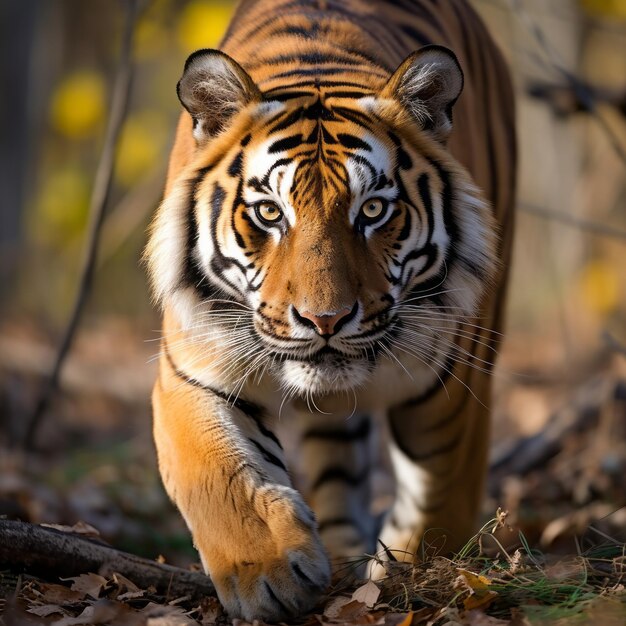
568, 284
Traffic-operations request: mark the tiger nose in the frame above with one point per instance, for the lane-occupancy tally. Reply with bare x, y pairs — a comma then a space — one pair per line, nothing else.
326, 324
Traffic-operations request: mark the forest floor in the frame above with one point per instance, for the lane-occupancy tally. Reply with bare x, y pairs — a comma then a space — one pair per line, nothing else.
558, 470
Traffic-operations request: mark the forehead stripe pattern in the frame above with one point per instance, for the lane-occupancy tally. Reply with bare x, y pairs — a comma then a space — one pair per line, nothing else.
350, 142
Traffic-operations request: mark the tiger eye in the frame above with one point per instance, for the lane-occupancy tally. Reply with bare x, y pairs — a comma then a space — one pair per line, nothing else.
373, 208
268, 212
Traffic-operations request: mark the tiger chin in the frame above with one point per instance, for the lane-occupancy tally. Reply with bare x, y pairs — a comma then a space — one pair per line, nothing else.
331, 250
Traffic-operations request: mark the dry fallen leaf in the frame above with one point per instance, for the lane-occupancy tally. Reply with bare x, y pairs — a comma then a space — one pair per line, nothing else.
88, 584
171, 620
45, 610
166, 615
58, 594
478, 586
102, 612
333, 608
124, 584
80, 528
352, 611
367, 593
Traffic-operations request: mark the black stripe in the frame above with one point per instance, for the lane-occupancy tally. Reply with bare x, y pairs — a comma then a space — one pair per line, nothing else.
435, 388
254, 411
268, 456
337, 472
299, 89
285, 144
313, 58
234, 169
192, 274
335, 521
341, 435
424, 456
352, 142
284, 120
285, 609
327, 71
240, 468
415, 35
295, 568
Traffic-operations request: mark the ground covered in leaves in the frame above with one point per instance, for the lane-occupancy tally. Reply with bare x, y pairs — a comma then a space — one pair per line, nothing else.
558, 467
483, 585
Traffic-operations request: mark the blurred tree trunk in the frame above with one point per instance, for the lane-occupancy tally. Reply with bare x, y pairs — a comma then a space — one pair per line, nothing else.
17, 34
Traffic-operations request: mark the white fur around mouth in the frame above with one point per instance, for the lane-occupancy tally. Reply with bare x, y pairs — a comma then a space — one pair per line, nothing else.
332, 374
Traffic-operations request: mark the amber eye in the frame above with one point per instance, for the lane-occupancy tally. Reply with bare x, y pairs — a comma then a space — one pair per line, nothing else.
268, 212
373, 208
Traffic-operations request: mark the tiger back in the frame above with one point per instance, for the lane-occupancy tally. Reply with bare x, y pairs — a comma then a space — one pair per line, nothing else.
331, 251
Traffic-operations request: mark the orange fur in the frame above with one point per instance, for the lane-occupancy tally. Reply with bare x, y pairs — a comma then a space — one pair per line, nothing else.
224, 279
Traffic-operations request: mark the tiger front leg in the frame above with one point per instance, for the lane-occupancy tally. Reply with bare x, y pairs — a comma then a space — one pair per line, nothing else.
256, 537
438, 448
335, 453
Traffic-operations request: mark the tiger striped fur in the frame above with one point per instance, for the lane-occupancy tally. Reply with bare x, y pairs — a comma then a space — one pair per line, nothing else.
329, 250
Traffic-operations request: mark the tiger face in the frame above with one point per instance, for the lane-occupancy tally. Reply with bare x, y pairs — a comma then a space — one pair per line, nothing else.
324, 218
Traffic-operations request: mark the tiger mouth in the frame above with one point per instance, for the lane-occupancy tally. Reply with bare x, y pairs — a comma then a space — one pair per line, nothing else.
363, 347
325, 355
329, 356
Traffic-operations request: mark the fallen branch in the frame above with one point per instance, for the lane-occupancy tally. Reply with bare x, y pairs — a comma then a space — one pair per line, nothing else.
53, 554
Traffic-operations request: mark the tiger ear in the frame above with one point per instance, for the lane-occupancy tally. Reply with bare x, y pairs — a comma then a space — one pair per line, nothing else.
428, 83
213, 89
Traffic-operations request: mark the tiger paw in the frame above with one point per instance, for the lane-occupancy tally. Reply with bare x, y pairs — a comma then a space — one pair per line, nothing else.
280, 569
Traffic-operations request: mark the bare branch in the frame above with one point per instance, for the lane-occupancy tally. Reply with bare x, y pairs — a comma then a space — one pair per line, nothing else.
583, 92
576, 222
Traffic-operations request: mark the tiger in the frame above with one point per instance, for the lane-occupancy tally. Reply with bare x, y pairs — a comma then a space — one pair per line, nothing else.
330, 257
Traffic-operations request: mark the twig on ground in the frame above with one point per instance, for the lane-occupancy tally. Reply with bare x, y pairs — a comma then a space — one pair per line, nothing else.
99, 198
54, 554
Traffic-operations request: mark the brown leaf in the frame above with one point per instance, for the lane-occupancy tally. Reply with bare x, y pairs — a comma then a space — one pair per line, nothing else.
166, 615
171, 620
58, 594
352, 611
333, 608
88, 584
131, 595
80, 528
124, 584
367, 594
46, 609
102, 612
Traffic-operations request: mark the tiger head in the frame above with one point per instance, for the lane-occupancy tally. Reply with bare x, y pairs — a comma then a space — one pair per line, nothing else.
321, 223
